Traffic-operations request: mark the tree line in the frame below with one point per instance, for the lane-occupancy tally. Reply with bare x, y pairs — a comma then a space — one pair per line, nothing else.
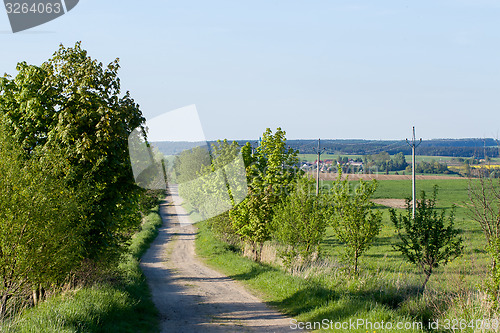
477, 148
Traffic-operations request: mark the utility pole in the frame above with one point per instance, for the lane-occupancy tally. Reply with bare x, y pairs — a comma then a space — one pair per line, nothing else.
484, 151
413, 146
317, 167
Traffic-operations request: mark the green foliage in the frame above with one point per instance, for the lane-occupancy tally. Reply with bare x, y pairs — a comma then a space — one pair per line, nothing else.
191, 164
386, 278
426, 240
271, 171
299, 223
383, 161
121, 306
247, 154
149, 231
211, 180
71, 105
149, 199
221, 227
432, 167
39, 241
354, 222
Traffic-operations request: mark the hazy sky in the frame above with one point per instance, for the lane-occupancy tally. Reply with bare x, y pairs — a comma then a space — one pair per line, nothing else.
329, 69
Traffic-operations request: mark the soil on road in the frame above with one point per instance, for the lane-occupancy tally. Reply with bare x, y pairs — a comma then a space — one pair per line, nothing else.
192, 297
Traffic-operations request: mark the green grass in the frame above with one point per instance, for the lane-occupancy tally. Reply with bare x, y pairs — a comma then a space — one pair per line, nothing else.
122, 306
387, 288
339, 299
471, 268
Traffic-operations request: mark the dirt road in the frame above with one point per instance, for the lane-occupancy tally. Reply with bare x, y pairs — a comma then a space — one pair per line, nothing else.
192, 297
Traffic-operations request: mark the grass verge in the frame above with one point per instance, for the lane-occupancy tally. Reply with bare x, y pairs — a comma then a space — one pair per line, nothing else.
313, 299
123, 306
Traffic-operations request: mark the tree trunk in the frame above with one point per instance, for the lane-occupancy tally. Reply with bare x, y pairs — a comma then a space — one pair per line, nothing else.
35, 297
261, 246
428, 275
38, 294
254, 252
356, 263
3, 306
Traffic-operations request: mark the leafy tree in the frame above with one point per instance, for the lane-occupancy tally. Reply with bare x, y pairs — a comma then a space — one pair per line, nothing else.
383, 161
72, 104
271, 173
400, 161
299, 223
354, 222
247, 154
191, 163
426, 240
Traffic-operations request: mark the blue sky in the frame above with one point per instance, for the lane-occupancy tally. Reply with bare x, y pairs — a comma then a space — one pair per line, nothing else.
329, 69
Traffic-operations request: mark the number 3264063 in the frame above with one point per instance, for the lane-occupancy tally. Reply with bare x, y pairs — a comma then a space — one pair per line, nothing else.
35, 8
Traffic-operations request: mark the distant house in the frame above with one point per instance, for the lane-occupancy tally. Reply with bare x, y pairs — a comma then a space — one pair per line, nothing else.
355, 164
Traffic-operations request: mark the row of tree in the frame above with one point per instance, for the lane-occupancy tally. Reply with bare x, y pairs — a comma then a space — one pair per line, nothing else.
282, 206
67, 193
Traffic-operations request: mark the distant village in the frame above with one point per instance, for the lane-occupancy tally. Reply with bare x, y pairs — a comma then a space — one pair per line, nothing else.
331, 165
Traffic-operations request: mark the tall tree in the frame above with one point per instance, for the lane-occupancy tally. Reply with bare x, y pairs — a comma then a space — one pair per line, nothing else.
72, 104
272, 170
